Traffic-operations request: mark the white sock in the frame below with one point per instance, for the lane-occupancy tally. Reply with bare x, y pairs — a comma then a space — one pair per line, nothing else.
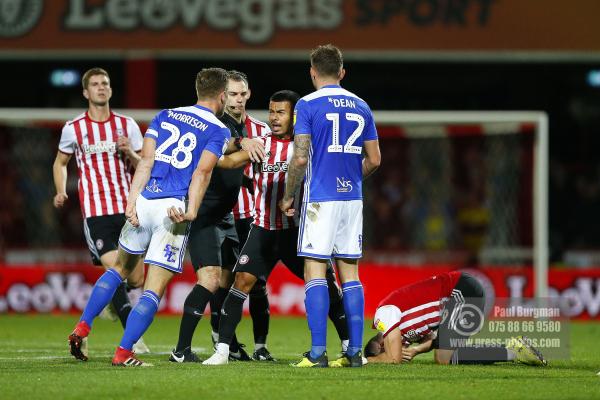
511, 355
215, 336
223, 348
258, 346
345, 344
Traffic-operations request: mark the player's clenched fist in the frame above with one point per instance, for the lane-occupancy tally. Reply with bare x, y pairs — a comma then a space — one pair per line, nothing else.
131, 214
60, 199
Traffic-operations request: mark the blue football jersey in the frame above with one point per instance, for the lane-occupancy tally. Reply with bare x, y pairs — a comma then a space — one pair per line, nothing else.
181, 135
338, 122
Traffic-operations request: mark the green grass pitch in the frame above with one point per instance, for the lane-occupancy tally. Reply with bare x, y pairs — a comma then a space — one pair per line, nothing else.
35, 364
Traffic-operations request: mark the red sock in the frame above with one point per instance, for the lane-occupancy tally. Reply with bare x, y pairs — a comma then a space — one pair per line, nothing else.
82, 329
121, 354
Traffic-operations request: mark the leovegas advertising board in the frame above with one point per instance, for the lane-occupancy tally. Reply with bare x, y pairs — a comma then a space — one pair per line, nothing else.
280, 25
66, 289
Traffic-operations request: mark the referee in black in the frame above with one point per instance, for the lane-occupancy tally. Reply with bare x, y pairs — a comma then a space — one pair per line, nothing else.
213, 241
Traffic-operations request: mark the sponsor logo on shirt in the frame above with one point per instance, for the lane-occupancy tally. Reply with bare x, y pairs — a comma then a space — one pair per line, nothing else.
279, 166
100, 147
343, 185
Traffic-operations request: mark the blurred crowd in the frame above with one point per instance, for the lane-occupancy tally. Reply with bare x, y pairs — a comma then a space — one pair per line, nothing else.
431, 195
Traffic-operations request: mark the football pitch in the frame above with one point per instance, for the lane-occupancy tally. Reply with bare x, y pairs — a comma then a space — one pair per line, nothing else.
35, 364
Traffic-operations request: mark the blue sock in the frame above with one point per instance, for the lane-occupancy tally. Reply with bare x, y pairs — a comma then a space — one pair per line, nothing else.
354, 306
140, 318
317, 307
101, 295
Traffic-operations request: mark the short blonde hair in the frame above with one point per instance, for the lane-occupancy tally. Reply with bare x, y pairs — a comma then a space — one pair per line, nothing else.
85, 79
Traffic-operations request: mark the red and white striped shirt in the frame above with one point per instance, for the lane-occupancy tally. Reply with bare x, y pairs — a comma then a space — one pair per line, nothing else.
415, 309
269, 185
244, 208
104, 176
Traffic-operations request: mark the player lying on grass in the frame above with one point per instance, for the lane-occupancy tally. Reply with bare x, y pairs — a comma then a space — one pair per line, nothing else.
439, 314
273, 235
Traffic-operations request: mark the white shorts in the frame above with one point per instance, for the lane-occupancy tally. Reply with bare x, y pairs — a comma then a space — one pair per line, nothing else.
162, 240
331, 229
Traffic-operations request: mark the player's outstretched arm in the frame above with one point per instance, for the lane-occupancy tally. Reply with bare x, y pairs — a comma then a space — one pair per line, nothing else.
140, 178
234, 160
296, 172
59, 172
255, 148
372, 159
393, 349
198, 185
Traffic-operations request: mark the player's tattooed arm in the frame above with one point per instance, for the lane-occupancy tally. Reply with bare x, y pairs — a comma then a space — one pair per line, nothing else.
298, 166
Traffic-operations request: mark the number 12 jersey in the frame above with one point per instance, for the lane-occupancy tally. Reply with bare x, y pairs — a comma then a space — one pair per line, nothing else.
339, 122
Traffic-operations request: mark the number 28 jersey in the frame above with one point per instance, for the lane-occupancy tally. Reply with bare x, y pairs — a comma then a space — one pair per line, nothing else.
339, 122
181, 135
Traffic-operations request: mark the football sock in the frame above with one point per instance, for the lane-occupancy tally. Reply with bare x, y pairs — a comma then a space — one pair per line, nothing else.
222, 348
193, 308
480, 355
345, 344
216, 302
140, 319
317, 307
354, 305
101, 295
336, 308
231, 315
259, 311
120, 301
